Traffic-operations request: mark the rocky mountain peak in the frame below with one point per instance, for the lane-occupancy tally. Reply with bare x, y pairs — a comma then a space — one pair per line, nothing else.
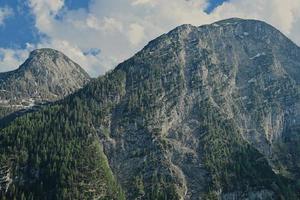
50, 59
239, 72
46, 75
45, 51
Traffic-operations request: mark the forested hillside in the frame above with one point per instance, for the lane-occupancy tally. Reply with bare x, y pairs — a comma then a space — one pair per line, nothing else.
204, 112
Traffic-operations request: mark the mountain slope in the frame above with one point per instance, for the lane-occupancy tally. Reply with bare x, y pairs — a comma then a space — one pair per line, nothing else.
46, 75
201, 112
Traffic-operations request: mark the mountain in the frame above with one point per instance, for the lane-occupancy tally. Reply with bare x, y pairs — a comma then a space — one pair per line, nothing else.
209, 112
47, 75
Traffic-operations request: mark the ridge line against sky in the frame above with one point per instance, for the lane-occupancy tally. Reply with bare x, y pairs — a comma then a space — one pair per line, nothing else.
98, 34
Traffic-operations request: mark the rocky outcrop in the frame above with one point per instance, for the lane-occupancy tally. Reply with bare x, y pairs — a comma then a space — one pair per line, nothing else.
245, 71
47, 75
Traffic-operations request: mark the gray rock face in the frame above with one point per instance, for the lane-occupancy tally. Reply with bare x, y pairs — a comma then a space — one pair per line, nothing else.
246, 71
47, 75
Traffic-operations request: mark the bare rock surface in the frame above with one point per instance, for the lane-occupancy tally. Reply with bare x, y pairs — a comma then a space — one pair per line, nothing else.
47, 75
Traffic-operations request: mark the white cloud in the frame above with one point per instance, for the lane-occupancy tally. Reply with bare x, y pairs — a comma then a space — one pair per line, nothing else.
281, 14
106, 24
5, 12
10, 59
119, 28
93, 22
143, 2
136, 33
47, 6
45, 11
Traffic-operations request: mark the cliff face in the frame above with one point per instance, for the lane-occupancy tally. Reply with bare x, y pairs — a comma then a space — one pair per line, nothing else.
47, 75
200, 113
196, 97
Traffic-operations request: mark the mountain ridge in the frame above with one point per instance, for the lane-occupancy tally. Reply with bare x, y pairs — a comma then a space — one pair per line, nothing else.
209, 113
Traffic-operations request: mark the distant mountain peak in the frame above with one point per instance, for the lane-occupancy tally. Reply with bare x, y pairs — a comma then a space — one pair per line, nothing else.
232, 20
49, 58
46, 75
45, 50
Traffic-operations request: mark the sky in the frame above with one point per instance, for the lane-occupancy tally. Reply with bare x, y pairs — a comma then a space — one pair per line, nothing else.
99, 34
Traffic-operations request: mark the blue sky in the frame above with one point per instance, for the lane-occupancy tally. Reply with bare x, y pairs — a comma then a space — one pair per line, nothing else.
20, 28
213, 4
98, 34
